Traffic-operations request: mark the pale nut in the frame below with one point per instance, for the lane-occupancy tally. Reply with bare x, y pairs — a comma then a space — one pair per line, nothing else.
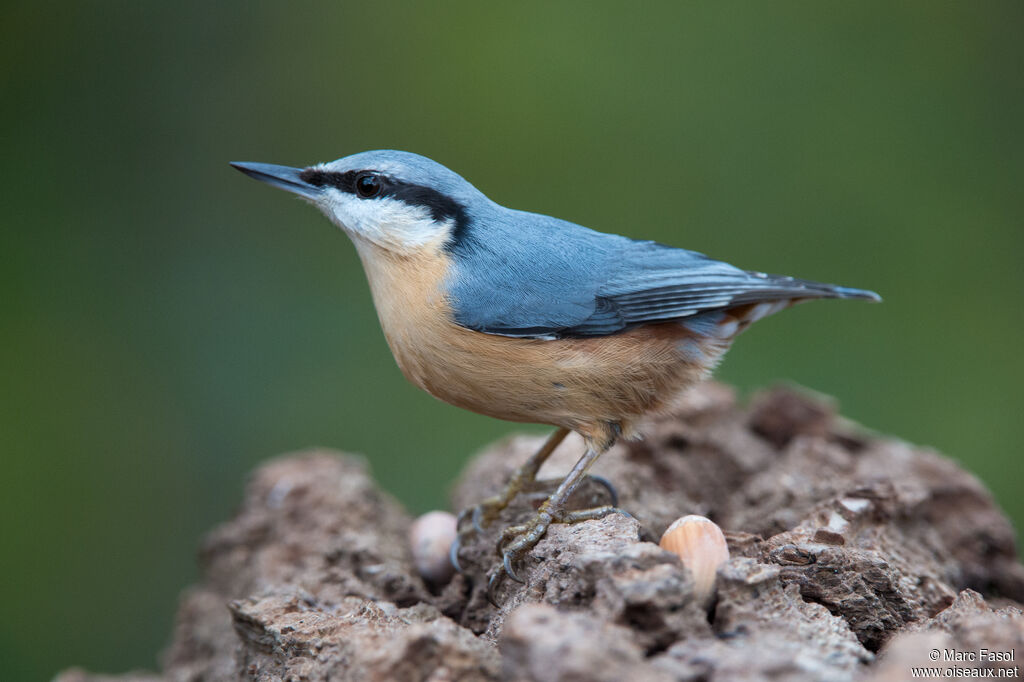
699, 542
431, 537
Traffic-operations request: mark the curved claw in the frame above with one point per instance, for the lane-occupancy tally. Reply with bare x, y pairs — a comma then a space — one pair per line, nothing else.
507, 562
491, 583
453, 554
478, 513
620, 510
607, 485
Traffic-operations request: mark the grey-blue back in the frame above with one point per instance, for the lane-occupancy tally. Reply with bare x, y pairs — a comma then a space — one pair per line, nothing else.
524, 274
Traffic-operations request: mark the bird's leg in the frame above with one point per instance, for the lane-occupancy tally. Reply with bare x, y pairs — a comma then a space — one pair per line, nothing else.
518, 540
486, 511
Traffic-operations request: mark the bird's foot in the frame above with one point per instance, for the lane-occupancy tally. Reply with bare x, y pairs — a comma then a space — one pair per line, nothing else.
483, 513
517, 541
473, 520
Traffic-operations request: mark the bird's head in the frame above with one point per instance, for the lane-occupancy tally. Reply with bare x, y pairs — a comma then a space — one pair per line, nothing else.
399, 201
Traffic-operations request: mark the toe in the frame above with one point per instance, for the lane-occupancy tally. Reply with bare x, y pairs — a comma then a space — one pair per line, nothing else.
507, 559
607, 485
478, 516
453, 554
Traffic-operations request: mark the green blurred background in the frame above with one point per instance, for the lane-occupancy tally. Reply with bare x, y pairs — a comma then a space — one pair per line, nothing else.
168, 323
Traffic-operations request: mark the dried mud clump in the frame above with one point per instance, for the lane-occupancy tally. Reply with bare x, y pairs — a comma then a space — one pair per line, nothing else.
852, 557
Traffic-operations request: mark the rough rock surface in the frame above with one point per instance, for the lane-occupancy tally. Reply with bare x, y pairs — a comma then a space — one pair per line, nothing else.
853, 558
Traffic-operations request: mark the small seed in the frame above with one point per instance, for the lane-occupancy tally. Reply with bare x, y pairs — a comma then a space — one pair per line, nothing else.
431, 537
700, 544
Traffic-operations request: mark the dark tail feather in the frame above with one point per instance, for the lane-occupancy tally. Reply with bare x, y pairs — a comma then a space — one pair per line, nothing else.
775, 287
750, 307
862, 294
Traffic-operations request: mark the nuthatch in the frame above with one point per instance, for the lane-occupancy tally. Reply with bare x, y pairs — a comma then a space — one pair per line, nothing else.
529, 318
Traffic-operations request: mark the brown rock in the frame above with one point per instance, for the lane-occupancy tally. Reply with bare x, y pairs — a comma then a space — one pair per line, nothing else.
319, 523
968, 635
542, 644
843, 544
294, 637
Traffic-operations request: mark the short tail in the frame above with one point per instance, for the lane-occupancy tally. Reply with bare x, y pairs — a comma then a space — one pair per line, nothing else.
779, 287
862, 294
774, 293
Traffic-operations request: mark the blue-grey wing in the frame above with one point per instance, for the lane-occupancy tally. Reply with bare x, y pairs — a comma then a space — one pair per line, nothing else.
657, 283
551, 279
522, 274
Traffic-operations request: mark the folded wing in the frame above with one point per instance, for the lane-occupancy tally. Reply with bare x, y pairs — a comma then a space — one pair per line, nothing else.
551, 279
657, 283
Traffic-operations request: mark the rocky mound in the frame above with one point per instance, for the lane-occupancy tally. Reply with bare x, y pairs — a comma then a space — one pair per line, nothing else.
853, 557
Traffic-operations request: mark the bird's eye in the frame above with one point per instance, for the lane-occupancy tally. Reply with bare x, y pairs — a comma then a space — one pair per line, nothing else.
368, 185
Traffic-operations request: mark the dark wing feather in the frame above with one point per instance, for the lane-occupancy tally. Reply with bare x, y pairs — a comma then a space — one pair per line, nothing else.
657, 283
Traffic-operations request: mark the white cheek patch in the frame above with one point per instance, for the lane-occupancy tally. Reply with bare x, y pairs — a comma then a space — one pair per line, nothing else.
387, 222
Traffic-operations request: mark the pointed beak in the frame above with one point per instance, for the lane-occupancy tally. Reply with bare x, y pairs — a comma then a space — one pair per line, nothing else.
283, 177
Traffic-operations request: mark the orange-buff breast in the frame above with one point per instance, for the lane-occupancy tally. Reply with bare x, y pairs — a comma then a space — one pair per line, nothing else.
582, 384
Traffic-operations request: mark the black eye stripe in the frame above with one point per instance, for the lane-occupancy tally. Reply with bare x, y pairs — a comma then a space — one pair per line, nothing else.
441, 206
346, 182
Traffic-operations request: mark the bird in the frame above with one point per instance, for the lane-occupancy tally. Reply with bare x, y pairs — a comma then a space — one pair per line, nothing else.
529, 318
